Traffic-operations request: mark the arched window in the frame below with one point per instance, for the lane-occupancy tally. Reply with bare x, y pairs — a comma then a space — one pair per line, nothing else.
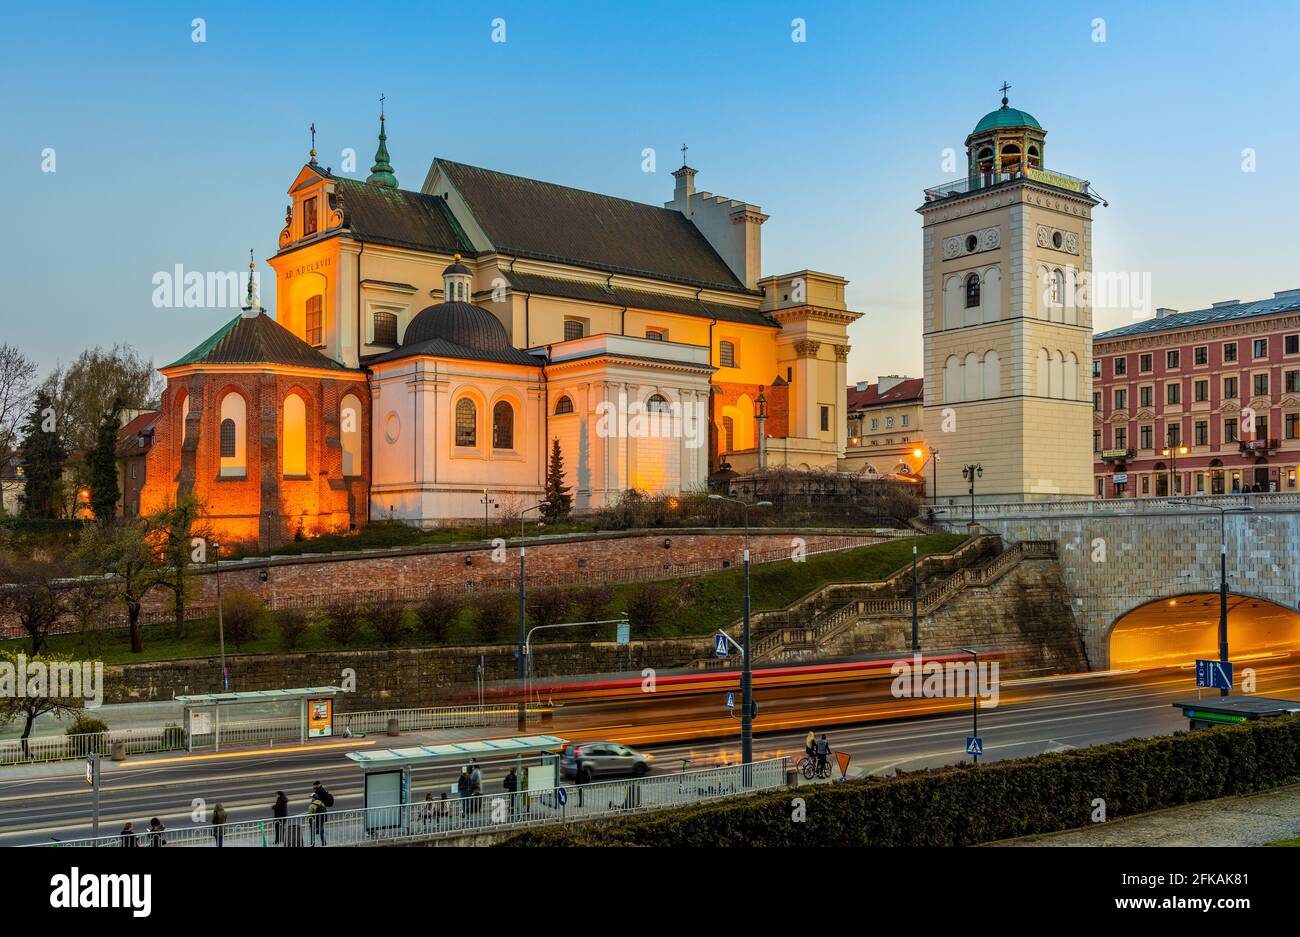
972, 290
350, 434
233, 431
185, 415
728, 434
1056, 288
294, 437
313, 333
503, 426
726, 354
952, 389
466, 423
992, 375
564, 405
657, 404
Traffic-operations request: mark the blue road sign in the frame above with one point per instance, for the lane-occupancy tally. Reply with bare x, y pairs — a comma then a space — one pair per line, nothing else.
561, 796
974, 745
720, 648
731, 700
1214, 674
624, 633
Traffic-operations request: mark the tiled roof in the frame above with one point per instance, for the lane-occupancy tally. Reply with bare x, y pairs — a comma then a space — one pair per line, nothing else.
127, 442
1286, 301
544, 221
458, 330
257, 340
638, 299
378, 214
442, 348
912, 388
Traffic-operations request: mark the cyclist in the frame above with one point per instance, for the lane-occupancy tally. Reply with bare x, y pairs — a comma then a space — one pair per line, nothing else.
823, 751
810, 744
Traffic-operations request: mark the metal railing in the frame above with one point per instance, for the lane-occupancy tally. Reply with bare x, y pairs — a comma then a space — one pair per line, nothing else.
173, 737
487, 813
959, 514
987, 180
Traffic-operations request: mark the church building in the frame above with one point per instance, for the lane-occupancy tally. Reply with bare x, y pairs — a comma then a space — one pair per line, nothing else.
427, 346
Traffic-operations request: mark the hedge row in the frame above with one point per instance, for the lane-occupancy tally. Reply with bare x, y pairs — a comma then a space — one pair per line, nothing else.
963, 806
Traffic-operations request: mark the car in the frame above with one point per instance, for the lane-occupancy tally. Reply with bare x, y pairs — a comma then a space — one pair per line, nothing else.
602, 759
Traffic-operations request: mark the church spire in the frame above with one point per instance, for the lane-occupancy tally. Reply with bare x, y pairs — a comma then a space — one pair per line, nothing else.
252, 305
382, 172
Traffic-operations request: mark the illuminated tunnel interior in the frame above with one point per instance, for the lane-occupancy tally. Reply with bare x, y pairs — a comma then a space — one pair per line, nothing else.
1175, 631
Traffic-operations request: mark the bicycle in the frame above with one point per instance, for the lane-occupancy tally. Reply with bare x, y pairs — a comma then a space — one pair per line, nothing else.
810, 769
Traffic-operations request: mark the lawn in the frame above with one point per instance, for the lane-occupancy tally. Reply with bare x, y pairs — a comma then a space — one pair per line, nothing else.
690, 606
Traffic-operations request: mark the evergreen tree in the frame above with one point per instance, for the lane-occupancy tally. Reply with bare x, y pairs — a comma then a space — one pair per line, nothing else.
557, 492
43, 455
102, 464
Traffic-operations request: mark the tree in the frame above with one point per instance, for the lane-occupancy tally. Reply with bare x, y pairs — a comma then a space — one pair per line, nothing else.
436, 614
124, 551
175, 527
80, 390
101, 462
35, 594
557, 492
43, 453
39, 696
241, 613
17, 372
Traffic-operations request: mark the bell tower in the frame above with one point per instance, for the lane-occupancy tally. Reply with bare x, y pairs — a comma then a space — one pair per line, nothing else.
1008, 319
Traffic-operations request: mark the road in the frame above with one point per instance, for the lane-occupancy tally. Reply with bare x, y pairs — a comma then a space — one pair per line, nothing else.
881, 734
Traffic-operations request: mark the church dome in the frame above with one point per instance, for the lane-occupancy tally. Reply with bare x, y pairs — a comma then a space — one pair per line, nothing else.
456, 267
462, 324
1006, 117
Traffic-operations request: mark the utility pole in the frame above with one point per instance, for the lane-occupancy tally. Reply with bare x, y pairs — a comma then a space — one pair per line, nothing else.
523, 638
92, 778
221, 626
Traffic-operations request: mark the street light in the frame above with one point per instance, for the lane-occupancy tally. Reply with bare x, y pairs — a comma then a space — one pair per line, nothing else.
221, 629
916, 639
523, 638
917, 453
970, 473
1172, 453
975, 704
746, 674
1223, 571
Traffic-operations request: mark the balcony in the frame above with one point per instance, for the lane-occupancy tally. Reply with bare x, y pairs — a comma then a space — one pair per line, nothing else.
1259, 445
990, 180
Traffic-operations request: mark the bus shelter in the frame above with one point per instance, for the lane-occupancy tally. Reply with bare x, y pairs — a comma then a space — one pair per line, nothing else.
1234, 710
386, 773
312, 706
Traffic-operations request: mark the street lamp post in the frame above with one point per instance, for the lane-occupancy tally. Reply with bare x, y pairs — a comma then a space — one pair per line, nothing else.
931, 461
221, 627
487, 503
970, 473
1223, 572
975, 702
746, 673
916, 637
1172, 453
523, 638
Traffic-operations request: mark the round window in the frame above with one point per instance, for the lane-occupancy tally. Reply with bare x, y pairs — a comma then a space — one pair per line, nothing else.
392, 427
1056, 240
972, 242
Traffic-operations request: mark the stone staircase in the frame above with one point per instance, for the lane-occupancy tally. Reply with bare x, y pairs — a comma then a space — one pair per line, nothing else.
844, 618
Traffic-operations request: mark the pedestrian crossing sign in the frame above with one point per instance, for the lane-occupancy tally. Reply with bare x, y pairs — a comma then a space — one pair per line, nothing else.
974, 745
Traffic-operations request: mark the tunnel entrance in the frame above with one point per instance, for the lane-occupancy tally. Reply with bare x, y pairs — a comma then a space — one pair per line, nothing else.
1178, 630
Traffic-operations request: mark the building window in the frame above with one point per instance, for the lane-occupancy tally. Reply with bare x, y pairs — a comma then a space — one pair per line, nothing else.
293, 437
1096, 401
1291, 381
233, 435
1230, 351
312, 321
972, 290
564, 405
309, 216
1260, 348
1146, 395
726, 354
1144, 364
1173, 434
875, 423
657, 404
466, 423
1173, 393
1121, 437
1201, 390
728, 434
1229, 388
904, 419
133, 468
1229, 431
1096, 440
826, 419
1056, 288
1120, 366
385, 328
889, 421
1144, 435
1201, 433
1291, 345
1096, 368
573, 328
655, 335
503, 426
1101, 484
1171, 359
1292, 424
1201, 354
1261, 427
1261, 385
351, 437
1121, 398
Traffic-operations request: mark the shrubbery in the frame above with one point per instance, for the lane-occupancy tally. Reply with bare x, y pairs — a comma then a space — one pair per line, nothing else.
241, 613
292, 624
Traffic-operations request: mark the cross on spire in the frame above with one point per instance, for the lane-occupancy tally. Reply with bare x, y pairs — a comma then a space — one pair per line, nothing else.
684, 149
313, 143
1004, 89
381, 106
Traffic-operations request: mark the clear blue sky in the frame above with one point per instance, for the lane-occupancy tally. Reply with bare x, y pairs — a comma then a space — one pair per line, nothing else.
171, 152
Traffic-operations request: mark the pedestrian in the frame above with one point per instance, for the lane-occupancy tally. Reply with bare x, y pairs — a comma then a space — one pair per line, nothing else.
823, 753
315, 818
219, 824
157, 833
128, 835
444, 808
427, 811
475, 785
511, 784
326, 801
463, 788
279, 810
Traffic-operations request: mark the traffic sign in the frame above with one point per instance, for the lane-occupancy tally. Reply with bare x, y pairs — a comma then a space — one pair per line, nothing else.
720, 648
843, 759
561, 796
1214, 674
974, 745
731, 700
624, 633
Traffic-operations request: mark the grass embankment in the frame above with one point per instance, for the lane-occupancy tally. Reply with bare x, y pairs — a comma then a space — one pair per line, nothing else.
685, 607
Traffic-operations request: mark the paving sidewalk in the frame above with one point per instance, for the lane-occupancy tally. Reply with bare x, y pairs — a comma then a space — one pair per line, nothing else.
1249, 820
